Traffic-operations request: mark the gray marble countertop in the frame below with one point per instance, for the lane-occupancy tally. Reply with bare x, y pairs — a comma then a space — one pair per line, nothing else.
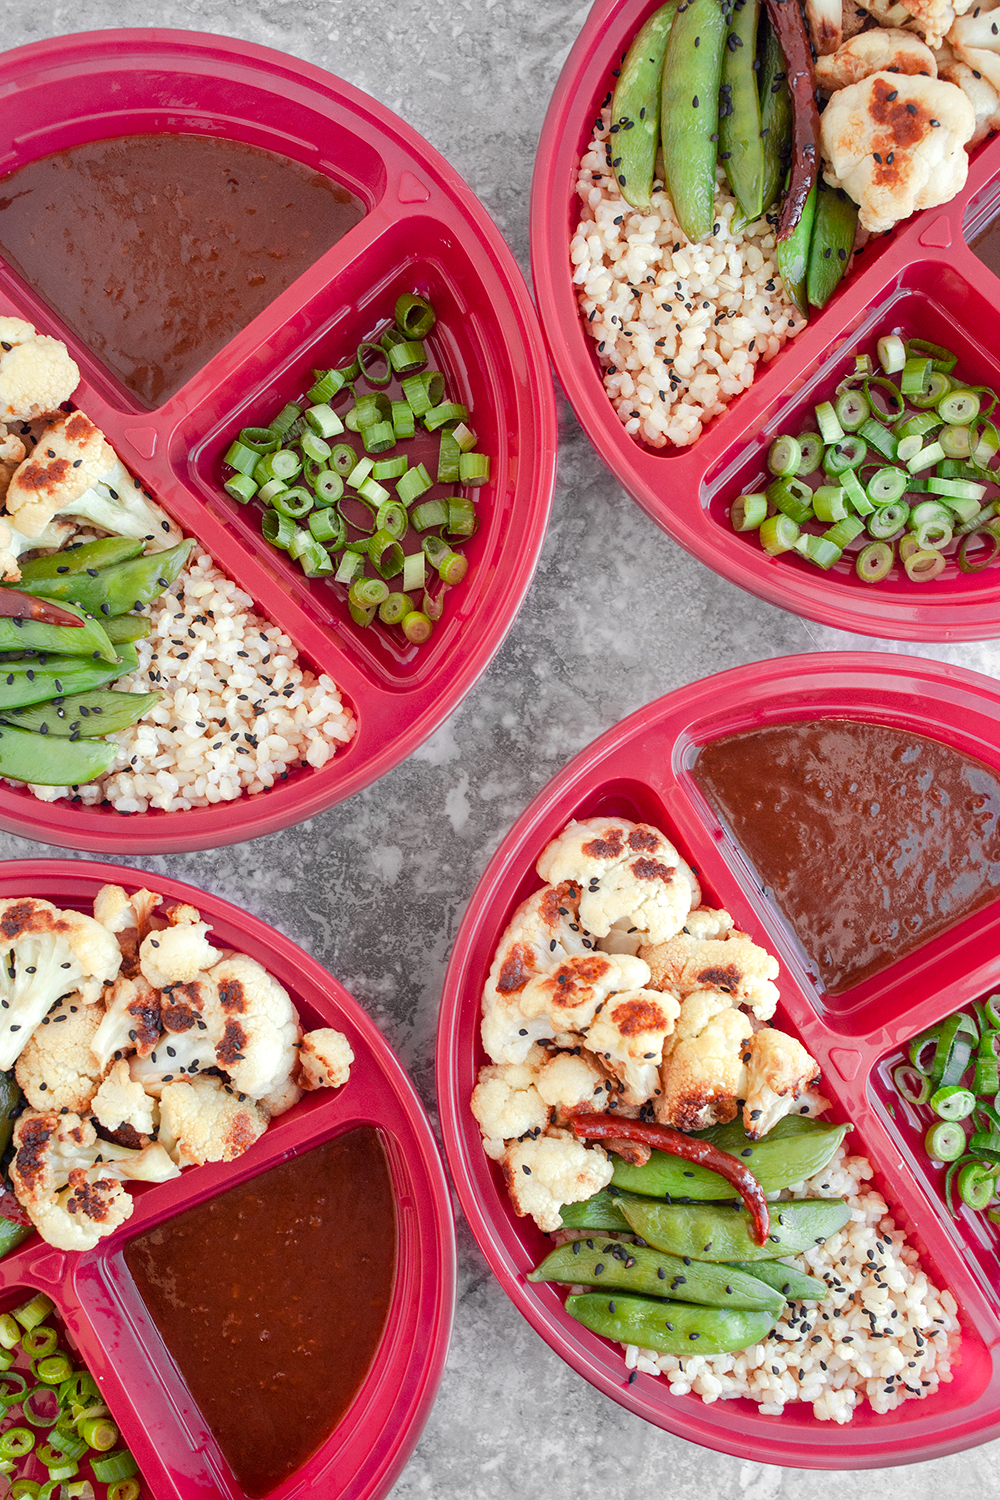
617, 615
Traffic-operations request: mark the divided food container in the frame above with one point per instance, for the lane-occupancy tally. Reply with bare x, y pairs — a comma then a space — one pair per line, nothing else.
922, 280
423, 231
641, 770
96, 1299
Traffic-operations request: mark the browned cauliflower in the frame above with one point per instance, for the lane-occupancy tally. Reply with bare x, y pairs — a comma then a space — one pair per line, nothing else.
733, 965
703, 1063
544, 1173
890, 50
57, 1069
202, 1119
325, 1058
36, 372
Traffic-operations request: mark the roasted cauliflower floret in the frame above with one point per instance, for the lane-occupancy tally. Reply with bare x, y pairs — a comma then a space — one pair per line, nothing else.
976, 40
46, 953
826, 25
201, 1120
67, 1179
569, 1081
544, 1173
572, 994
57, 1069
703, 1063
130, 1022
629, 1035
624, 870
778, 1070
36, 372
934, 18
120, 1102
544, 931
129, 918
981, 94
175, 955
885, 50
73, 470
896, 144
734, 965
507, 1104
325, 1058
261, 1027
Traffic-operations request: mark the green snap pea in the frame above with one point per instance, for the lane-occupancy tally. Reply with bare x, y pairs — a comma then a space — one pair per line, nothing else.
788, 1280
37, 679
834, 229
116, 590
669, 1327
85, 716
10, 1100
52, 762
127, 628
598, 1212
794, 1149
741, 147
723, 1234
635, 111
635, 1268
793, 254
689, 113
90, 639
775, 116
100, 554
12, 1235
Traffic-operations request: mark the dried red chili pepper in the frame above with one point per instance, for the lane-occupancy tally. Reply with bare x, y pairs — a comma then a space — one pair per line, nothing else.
675, 1143
790, 27
17, 606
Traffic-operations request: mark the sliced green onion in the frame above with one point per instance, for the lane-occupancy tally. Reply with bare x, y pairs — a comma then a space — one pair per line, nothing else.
955, 441
414, 315
977, 562
114, 1466
424, 391
844, 531
407, 357
10, 1332
811, 446
746, 512
887, 484
939, 386
829, 502
915, 377
394, 608
879, 437
24, 1489
891, 353
792, 498
376, 494
99, 1433
943, 359
260, 439
464, 437
360, 473
778, 534
324, 421
329, 487
326, 387
286, 419
414, 482
277, 529
16, 1442
351, 564
441, 415
403, 422
294, 503
874, 562
392, 518
956, 489
474, 469
926, 458
449, 457
374, 363
414, 571
933, 535
35, 1311
976, 1184
52, 1369
784, 457
953, 1102
856, 493
327, 526
416, 627
239, 456
830, 428
342, 459
386, 558
910, 1084
851, 410
987, 1076
368, 593
461, 517
316, 447
285, 464
390, 468
945, 1141
241, 487
124, 1489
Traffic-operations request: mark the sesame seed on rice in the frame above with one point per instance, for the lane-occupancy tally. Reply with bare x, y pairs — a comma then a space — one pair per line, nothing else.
680, 328
224, 725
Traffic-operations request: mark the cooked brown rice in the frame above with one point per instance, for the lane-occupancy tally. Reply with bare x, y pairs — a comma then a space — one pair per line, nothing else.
680, 328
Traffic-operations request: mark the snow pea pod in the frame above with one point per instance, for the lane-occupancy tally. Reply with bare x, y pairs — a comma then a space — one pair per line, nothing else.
669, 1327
724, 1234
12, 1235
775, 116
52, 762
127, 628
74, 559
741, 147
794, 1149
689, 113
117, 589
10, 1099
793, 252
634, 1268
39, 679
635, 110
86, 716
788, 1280
834, 229
88, 640
601, 1211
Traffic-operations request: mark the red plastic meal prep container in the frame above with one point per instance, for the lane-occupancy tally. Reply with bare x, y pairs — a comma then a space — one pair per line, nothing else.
96, 1298
921, 280
641, 770
423, 230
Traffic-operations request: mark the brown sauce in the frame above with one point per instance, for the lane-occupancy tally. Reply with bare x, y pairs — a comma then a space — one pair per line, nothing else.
987, 246
869, 839
157, 249
272, 1299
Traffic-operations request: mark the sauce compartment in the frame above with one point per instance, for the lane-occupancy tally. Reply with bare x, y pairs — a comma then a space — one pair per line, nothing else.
923, 256
109, 1323
641, 769
423, 228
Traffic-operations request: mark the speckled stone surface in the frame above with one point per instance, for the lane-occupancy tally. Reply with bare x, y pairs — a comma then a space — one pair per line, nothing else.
617, 615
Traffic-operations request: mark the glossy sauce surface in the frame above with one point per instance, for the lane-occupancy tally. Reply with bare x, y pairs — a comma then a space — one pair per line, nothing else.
869, 839
987, 246
157, 249
272, 1299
